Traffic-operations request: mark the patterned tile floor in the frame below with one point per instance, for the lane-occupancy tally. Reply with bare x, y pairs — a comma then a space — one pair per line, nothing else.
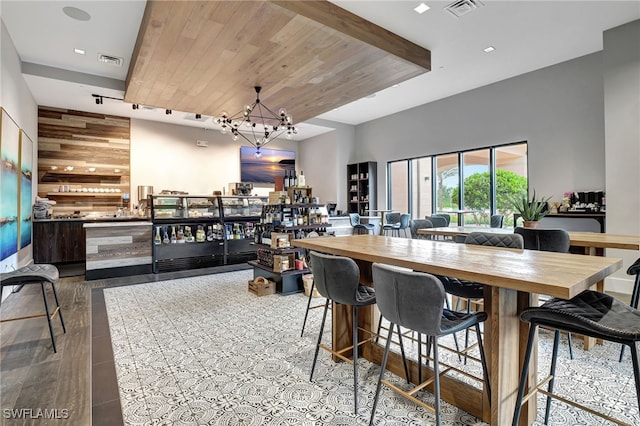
203, 350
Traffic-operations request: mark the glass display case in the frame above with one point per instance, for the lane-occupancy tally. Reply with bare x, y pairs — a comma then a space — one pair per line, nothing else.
196, 231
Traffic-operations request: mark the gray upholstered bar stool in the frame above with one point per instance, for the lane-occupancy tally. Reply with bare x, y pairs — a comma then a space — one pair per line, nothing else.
415, 300
338, 280
633, 270
37, 274
590, 313
358, 227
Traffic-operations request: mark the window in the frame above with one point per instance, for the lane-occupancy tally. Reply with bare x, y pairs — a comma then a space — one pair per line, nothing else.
481, 181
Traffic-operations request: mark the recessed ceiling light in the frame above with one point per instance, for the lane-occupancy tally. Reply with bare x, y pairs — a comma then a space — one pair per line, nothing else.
421, 8
79, 51
91, 169
489, 49
54, 167
396, 85
75, 13
68, 168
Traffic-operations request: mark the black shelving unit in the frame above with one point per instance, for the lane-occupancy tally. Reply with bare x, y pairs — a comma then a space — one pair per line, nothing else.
362, 187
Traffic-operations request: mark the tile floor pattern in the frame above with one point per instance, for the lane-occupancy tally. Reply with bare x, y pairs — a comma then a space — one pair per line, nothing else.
203, 350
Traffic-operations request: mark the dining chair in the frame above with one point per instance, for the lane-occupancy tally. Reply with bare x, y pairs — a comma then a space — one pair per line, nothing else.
635, 294
415, 300
402, 225
497, 220
354, 219
446, 218
471, 290
337, 279
592, 314
392, 221
419, 224
547, 239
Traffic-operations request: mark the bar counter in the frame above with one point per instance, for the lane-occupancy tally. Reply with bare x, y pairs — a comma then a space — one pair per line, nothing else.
118, 248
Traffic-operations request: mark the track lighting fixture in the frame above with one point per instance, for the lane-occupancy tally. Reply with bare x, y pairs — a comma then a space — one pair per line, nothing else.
167, 111
135, 106
198, 116
100, 98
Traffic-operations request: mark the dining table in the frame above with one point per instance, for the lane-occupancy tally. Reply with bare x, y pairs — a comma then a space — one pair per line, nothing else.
592, 243
512, 280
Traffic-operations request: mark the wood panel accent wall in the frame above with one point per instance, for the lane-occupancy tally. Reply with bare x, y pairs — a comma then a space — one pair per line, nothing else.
83, 140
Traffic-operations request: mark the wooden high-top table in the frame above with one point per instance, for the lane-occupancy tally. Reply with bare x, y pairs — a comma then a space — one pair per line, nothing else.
512, 279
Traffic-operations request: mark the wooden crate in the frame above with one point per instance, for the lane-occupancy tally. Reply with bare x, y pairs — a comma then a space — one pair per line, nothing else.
262, 286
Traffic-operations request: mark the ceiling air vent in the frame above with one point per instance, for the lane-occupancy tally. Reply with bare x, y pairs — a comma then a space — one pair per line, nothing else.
110, 60
462, 7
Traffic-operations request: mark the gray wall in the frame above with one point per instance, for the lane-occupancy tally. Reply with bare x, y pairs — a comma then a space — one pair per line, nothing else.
622, 135
558, 110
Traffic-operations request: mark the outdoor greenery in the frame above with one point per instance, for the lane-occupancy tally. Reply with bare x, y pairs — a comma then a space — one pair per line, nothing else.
477, 188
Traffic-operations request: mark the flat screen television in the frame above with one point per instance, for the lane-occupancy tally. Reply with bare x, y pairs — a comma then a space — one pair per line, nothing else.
272, 163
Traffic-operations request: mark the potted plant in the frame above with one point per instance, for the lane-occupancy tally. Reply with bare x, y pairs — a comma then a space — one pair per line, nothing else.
531, 210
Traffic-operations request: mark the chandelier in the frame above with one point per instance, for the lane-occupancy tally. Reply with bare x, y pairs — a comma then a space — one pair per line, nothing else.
257, 124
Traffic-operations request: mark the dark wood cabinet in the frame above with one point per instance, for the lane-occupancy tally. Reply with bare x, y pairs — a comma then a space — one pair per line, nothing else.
59, 241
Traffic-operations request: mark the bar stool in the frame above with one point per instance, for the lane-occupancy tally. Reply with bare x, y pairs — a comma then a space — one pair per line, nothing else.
633, 270
415, 300
37, 274
354, 219
337, 279
590, 313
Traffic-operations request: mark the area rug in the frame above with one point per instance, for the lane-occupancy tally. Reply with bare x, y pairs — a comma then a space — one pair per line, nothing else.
203, 350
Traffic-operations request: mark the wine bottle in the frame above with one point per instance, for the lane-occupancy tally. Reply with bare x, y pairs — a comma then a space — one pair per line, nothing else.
295, 178
285, 183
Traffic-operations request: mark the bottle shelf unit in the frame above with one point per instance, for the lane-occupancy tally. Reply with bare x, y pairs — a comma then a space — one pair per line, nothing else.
279, 218
362, 187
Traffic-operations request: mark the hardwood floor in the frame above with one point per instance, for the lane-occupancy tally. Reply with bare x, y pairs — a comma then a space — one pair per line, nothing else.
33, 378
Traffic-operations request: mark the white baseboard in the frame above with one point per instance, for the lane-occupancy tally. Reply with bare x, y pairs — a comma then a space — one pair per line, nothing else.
619, 285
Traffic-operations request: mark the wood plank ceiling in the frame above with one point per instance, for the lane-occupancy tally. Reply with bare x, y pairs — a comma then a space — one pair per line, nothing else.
309, 56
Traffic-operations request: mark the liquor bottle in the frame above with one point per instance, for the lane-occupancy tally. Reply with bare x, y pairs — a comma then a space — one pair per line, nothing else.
166, 240
188, 235
157, 239
180, 236
209, 233
301, 180
200, 236
174, 238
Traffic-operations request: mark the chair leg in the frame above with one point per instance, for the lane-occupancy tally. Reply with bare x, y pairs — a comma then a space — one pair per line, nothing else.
315, 356
46, 309
436, 384
404, 358
306, 314
483, 360
379, 328
523, 376
419, 358
636, 369
55, 295
552, 373
570, 339
383, 366
355, 358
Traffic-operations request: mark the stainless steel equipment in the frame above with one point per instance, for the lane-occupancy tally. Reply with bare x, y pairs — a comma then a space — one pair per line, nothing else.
143, 195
